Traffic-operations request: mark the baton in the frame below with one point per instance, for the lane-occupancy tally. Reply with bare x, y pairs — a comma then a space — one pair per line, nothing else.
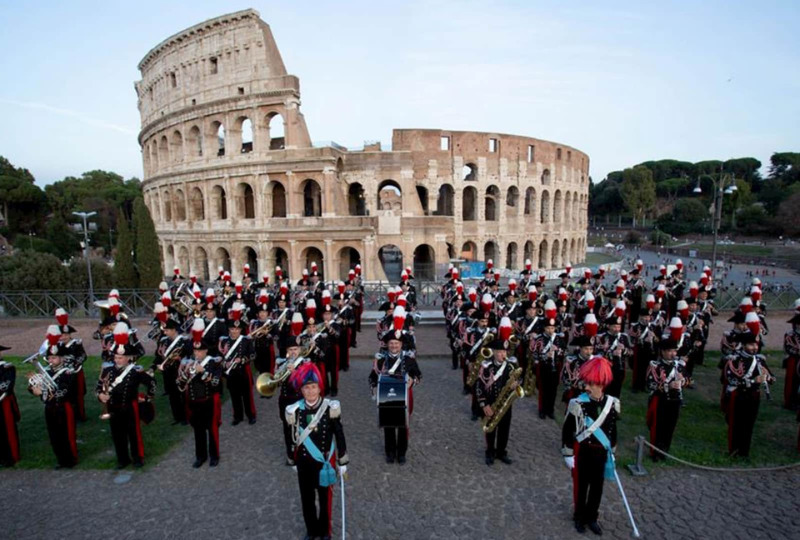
625, 500
341, 480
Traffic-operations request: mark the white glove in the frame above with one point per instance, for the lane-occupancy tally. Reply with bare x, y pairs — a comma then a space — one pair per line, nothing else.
294, 468
342, 470
569, 461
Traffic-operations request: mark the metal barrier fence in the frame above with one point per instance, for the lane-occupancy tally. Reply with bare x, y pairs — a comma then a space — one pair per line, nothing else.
139, 302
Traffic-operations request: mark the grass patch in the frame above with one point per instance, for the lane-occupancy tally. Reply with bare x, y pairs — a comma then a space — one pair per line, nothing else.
594, 259
95, 447
702, 435
738, 250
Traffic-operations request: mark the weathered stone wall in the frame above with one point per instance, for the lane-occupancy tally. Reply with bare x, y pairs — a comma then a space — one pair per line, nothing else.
231, 176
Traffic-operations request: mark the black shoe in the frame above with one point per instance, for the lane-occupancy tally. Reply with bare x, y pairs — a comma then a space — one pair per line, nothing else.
251, 421
214, 462
184, 423
550, 415
595, 528
465, 391
198, 463
236, 422
579, 527
505, 459
138, 464
401, 460
389, 459
474, 417
542, 416
289, 462
334, 393
122, 465
489, 460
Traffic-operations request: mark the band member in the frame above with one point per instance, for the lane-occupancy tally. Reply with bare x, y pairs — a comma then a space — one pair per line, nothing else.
615, 345
332, 332
262, 342
55, 388
570, 373
665, 381
171, 348
395, 361
76, 356
199, 377
237, 356
118, 389
644, 336
589, 439
288, 395
9, 414
318, 440
746, 372
492, 378
791, 363
548, 357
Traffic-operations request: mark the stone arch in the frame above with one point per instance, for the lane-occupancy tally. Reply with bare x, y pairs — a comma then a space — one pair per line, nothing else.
184, 262
180, 205
154, 156
348, 258
312, 198
275, 131
469, 172
281, 259
245, 127
544, 214
219, 203
278, 193
528, 251
194, 142
163, 150
491, 203
310, 255
512, 201
444, 203
222, 258
567, 208
557, 206
176, 146
468, 203
564, 253
546, 177
554, 258
573, 253
390, 196
391, 258
490, 251
530, 201
197, 204
575, 214
469, 251
424, 263
218, 137
356, 200
154, 206
511, 255
169, 258
250, 256
166, 200
544, 256
245, 201
200, 263
422, 193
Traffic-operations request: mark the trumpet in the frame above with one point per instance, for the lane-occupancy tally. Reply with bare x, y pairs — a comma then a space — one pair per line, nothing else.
267, 327
106, 388
154, 331
43, 381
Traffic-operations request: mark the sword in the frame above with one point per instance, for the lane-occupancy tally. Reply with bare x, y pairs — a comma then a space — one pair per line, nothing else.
341, 480
624, 498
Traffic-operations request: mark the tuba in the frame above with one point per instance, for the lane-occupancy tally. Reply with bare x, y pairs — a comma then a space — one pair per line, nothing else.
505, 399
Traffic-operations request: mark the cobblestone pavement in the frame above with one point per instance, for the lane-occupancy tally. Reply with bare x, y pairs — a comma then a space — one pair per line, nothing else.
444, 491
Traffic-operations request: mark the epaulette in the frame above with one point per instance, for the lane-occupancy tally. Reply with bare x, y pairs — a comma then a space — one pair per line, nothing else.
291, 413
486, 363
680, 362
617, 404
335, 407
574, 407
511, 360
654, 363
137, 367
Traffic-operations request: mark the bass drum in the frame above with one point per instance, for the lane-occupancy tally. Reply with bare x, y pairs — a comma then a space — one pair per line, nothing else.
392, 402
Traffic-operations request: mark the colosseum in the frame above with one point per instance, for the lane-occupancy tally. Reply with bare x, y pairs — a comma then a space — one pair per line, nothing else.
231, 175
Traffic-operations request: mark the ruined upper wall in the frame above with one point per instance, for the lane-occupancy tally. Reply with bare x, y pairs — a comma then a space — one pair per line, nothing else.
229, 57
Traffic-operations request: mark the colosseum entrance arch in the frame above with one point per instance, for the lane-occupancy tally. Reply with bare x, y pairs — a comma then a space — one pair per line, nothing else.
281, 259
392, 262
390, 196
348, 258
544, 260
444, 204
250, 256
356, 202
424, 263
312, 199
511, 256
200, 264
223, 259
490, 251
469, 251
528, 252
313, 255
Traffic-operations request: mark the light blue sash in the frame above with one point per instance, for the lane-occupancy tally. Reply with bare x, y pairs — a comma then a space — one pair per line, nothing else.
601, 437
327, 476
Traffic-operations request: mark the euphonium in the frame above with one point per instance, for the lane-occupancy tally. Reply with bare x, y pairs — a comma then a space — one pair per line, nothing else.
505, 399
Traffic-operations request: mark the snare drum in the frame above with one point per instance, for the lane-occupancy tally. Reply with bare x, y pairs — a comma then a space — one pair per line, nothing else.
392, 400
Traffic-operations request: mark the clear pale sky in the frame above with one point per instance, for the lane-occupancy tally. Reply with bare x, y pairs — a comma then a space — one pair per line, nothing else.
623, 81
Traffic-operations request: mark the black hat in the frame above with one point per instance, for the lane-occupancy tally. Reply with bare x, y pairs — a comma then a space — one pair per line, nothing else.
746, 337
385, 306
613, 319
4, 348
795, 319
58, 350
172, 324
281, 298
108, 321
526, 305
691, 299
659, 277
200, 345
667, 344
236, 323
197, 302
581, 341
288, 340
549, 322
498, 345
581, 281
634, 272
391, 334
738, 317
466, 306
645, 311
327, 308
67, 329
675, 272
563, 275
597, 276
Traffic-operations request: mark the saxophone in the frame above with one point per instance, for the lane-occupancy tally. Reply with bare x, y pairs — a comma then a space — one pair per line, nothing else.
479, 353
505, 399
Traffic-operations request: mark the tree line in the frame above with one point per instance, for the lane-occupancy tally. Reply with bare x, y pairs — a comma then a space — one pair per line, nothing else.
46, 237
665, 192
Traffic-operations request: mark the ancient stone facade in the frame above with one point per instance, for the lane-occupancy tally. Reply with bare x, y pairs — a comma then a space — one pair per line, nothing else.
231, 175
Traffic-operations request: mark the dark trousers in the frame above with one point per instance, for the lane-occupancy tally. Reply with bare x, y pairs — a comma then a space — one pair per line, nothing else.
344, 348
790, 386
176, 397
662, 417
126, 432
587, 481
240, 385
316, 516
9, 435
614, 388
640, 362
332, 369
395, 441
497, 440
80, 393
205, 422
265, 359
287, 429
547, 385
60, 420
742, 413
454, 356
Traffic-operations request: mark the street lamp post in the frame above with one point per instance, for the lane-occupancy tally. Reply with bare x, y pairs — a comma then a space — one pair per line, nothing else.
719, 185
84, 216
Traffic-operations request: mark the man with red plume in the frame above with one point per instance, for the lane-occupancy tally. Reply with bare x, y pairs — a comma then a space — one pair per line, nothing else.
616, 347
548, 351
171, 348
9, 413
318, 445
75, 358
570, 372
118, 390
644, 336
589, 439
665, 381
791, 363
237, 354
746, 375
58, 410
401, 364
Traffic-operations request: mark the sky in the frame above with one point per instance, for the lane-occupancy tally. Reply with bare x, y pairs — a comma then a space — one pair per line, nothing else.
624, 82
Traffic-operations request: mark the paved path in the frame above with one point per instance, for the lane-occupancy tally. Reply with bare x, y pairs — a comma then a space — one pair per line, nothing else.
444, 491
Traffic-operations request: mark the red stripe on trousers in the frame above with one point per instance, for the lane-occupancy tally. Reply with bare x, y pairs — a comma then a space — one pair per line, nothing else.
575, 447
731, 407
81, 392
539, 381
652, 416
216, 421
139, 441
788, 387
11, 432
73, 442
249, 371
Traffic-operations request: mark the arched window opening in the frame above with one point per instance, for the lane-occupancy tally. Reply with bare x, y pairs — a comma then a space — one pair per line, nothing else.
546, 177
530, 201
469, 251
278, 200
444, 204
492, 196
511, 256
544, 260
469, 172
247, 135
312, 199
544, 215
356, 201
219, 203
422, 193
275, 132
468, 202
197, 205
424, 263
195, 142
490, 251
